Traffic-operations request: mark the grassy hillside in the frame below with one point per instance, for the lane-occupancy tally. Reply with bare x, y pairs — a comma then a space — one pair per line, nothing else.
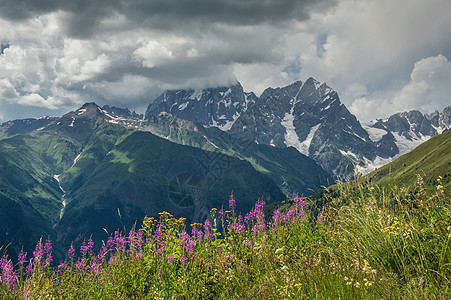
368, 248
415, 174
429, 160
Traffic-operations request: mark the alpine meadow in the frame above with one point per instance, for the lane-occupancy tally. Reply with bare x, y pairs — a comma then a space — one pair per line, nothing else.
198, 149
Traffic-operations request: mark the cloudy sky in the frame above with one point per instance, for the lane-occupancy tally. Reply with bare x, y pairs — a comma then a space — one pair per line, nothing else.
382, 56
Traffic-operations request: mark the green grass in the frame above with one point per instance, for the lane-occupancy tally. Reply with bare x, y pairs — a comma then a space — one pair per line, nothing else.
429, 160
372, 242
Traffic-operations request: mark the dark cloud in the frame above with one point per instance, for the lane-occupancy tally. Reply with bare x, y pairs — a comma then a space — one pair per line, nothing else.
84, 16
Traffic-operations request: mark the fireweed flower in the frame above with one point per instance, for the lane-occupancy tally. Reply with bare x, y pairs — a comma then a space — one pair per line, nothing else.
71, 251
8, 277
277, 217
110, 242
208, 231
79, 265
84, 249
90, 245
48, 247
183, 260
22, 258
38, 252
29, 268
95, 268
112, 260
232, 202
121, 243
320, 219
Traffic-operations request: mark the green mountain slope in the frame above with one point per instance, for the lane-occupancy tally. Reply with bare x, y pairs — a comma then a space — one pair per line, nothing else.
293, 172
110, 176
429, 160
413, 175
144, 174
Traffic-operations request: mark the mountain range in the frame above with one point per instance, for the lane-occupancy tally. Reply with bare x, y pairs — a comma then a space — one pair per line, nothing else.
308, 116
100, 169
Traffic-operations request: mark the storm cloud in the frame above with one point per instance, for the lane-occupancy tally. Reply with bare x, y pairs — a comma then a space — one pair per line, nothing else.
56, 55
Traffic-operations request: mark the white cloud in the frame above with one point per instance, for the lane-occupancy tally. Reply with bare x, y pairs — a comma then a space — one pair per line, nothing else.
427, 91
152, 53
429, 87
7, 90
34, 99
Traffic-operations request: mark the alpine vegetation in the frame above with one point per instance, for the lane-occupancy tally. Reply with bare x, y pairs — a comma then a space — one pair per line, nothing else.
366, 242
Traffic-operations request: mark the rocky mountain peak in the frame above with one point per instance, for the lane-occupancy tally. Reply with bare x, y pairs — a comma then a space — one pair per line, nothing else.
211, 107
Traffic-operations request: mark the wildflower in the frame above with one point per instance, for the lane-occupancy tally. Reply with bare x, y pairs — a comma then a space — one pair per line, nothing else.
95, 268
84, 249
320, 219
90, 244
38, 253
62, 265
71, 252
232, 202
183, 259
79, 265
112, 260
29, 269
48, 247
22, 258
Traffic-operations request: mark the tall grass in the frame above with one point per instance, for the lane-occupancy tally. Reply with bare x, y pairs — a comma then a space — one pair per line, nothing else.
366, 243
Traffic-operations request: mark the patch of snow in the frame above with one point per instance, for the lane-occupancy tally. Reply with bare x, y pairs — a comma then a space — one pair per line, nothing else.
308, 140
291, 137
227, 102
81, 111
405, 145
63, 200
370, 166
211, 143
375, 133
440, 129
183, 106
197, 94
229, 123
72, 123
317, 84
328, 106
246, 102
76, 159
349, 154
326, 98
327, 90
227, 93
